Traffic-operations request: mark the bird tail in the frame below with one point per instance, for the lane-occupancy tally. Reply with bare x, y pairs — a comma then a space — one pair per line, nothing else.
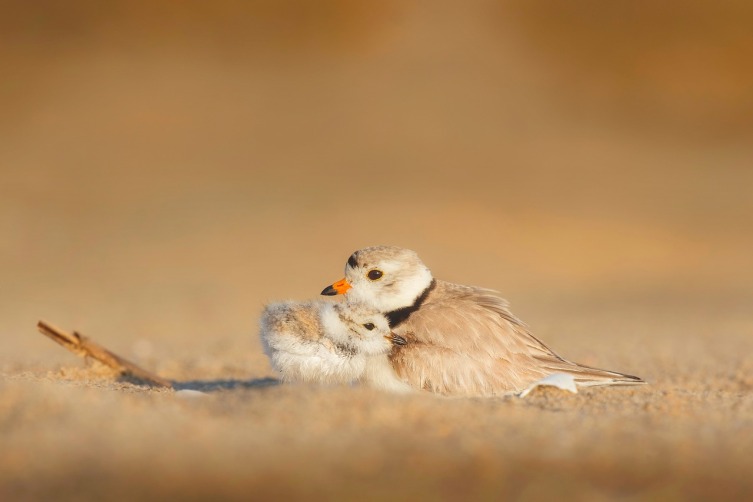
586, 376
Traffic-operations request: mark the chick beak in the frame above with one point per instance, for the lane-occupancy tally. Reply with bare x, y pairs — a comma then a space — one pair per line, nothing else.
396, 339
338, 288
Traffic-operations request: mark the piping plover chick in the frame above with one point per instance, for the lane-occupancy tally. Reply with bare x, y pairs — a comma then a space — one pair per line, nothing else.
460, 340
330, 343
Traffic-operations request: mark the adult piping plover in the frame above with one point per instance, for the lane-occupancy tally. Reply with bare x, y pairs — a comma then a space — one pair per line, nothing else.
461, 340
330, 343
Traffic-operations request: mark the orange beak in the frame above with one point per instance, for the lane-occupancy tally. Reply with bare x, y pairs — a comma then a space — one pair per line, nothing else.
338, 288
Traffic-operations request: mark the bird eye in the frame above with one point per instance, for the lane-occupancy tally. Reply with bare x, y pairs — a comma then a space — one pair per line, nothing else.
374, 274
369, 326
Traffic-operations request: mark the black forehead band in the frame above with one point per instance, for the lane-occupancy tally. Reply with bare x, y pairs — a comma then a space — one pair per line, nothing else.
352, 261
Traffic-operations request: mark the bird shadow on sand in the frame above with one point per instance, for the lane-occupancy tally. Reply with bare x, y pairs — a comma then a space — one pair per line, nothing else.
225, 384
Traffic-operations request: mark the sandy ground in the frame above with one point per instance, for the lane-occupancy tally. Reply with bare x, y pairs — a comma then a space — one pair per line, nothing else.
165, 173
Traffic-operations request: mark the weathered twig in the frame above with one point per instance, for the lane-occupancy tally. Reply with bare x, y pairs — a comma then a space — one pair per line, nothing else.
84, 347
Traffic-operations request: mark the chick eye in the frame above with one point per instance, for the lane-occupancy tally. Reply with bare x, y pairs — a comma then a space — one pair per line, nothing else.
374, 274
369, 326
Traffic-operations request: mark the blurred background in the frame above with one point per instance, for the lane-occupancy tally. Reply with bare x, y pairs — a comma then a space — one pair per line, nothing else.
169, 167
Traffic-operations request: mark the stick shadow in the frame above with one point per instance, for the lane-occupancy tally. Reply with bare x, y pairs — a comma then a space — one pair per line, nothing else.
226, 384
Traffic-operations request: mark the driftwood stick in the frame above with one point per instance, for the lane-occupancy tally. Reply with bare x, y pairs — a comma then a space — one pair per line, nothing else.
82, 346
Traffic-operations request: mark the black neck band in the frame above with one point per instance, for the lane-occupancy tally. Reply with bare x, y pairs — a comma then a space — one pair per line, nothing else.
398, 316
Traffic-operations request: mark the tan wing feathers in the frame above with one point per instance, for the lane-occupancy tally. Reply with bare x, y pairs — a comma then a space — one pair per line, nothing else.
461, 317
465, 341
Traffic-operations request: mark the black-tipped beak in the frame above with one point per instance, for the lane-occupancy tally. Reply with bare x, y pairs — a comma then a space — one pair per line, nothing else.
338, 288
